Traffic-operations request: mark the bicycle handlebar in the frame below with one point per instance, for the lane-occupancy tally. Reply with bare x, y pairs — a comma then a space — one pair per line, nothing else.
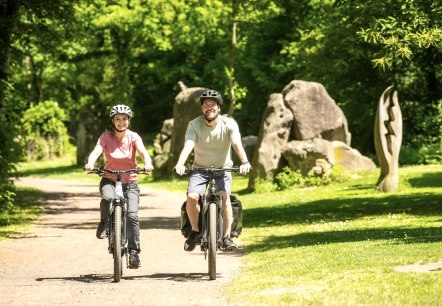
102, 171
211, 169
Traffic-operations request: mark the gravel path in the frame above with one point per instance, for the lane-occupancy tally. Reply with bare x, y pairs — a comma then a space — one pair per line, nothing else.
60, 262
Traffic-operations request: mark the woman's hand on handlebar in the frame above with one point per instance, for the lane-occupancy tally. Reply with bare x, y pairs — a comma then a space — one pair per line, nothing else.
148, 168
88, 167
180, 169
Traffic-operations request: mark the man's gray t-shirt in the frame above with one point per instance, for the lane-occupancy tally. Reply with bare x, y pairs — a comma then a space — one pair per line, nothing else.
212, 144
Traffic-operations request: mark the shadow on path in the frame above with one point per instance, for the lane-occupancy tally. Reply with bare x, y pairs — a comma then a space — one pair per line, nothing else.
105, 278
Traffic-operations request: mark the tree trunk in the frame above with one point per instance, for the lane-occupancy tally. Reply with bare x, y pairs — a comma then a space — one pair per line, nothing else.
231, 68
8, 18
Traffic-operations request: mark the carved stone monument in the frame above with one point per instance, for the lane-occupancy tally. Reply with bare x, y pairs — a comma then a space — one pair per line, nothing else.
388, 139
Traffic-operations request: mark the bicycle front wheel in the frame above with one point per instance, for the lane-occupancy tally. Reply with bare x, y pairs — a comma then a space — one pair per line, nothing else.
212, 240
118, 265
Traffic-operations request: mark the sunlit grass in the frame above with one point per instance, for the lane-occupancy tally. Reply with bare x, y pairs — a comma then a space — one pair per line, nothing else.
17, 220
340, 244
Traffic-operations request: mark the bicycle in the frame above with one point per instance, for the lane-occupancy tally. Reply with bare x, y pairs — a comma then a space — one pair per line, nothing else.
117, 222
212, 227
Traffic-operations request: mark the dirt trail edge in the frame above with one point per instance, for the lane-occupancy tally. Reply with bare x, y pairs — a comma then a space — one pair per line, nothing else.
60, 262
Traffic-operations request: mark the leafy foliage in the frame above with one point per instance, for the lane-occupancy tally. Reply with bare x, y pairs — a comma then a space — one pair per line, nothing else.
135, 52
289, 178
45, 134
10, 148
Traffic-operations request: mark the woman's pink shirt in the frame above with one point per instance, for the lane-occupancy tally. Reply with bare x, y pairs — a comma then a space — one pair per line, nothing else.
120, 155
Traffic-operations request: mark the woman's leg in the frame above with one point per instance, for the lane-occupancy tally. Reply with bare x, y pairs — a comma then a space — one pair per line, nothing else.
133, 224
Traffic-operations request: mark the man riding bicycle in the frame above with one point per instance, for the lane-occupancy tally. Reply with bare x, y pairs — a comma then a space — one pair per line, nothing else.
210, 136
120, 147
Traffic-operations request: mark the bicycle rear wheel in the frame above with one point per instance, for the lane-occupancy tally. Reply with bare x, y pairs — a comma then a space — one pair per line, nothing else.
212, 240
118, 266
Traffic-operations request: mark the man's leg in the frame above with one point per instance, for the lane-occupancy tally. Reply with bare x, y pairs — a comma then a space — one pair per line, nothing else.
228, 213
196, 187
225, 187
193, 210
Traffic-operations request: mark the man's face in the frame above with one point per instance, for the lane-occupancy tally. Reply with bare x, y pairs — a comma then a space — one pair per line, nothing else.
121, 121
210, 109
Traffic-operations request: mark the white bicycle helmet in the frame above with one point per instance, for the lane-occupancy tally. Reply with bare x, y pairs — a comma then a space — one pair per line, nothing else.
120, 109
211, 94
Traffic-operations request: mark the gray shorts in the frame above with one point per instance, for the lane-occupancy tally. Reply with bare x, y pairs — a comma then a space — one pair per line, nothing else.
198, 182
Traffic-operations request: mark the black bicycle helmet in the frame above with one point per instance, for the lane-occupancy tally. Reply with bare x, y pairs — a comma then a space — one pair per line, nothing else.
120, 109
211, 94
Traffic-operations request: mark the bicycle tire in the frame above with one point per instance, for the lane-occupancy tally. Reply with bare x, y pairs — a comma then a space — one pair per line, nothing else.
212, 240
118, 265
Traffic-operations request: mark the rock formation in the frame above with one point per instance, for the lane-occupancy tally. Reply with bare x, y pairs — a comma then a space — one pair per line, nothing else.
300, 126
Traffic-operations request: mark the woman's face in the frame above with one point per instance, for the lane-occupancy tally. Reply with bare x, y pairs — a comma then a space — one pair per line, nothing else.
121, 122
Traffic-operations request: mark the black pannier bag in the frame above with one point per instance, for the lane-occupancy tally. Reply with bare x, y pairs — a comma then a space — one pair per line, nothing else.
237, 218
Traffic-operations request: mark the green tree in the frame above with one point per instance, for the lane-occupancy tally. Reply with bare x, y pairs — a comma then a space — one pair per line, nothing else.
408, 42
358, 48
18, 19
44, 131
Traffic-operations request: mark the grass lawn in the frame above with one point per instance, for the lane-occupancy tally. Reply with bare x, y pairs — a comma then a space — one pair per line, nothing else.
344, 244
18, 220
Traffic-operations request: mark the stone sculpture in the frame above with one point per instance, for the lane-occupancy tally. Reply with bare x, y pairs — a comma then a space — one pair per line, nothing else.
388, 139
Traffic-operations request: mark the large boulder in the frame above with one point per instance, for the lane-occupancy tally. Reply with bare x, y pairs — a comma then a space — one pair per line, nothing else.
303, 155
249, 144
273, 136
162, 144
316, 114
186, 108
350, 158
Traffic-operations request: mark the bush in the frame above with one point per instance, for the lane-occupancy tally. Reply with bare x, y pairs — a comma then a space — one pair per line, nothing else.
294, 179
7, 196
410, 155
45, 134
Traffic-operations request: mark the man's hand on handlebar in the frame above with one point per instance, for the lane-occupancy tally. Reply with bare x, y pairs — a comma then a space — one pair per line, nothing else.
180, 169
245, 168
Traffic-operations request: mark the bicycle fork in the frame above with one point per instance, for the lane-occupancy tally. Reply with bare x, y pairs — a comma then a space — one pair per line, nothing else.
118, 201
205, 221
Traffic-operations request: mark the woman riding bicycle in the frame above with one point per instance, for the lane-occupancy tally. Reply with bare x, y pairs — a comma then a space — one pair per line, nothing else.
120, 146
210, 136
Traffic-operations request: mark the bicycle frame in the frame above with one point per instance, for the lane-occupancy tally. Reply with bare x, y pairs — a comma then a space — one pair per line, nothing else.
117, 238
212, 217
122, 201
211, 197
